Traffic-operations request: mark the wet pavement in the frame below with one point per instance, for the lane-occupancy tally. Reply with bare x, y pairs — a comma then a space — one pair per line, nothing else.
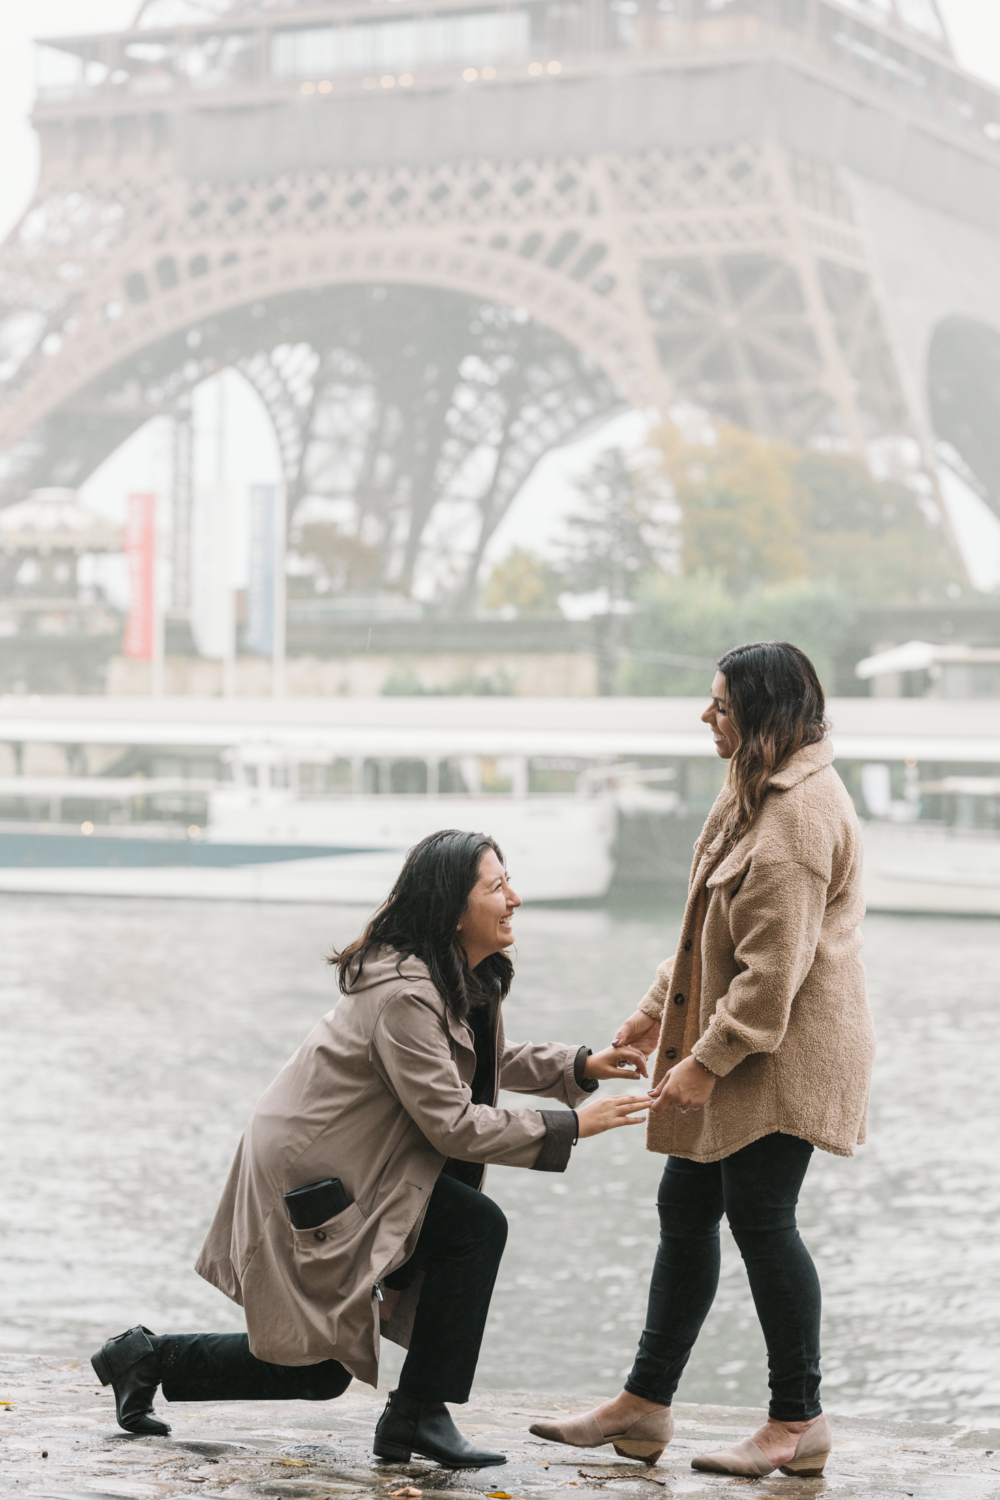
59, 1441
138, 1035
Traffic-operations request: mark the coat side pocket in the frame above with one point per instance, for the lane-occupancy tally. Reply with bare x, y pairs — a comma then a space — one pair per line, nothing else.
325, 1256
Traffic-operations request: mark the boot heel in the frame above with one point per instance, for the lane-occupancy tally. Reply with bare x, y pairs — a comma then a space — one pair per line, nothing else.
648, 1451
101, 1370
806, 1468
391, 1453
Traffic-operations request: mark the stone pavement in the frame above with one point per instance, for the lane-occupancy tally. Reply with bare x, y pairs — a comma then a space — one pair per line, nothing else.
59, 1441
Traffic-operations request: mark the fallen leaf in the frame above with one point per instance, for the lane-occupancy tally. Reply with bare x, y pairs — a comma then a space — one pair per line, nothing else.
499, 1495
296, 1463
407, 1493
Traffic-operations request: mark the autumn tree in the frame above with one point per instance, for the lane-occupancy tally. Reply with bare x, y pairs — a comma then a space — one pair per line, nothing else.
525, 582
759, 514
347, 562
740, 522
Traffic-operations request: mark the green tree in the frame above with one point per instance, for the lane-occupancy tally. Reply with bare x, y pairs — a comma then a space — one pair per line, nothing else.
616, 540
870, 537
699, 618
620, 534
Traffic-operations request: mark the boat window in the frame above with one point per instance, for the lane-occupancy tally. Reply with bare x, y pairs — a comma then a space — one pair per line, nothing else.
408, 776
372, 778
554, 774
450, 778
315, 778
21, 809
143, 760
495, 775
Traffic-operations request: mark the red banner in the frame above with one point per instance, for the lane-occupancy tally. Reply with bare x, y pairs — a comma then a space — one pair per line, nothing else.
140, 551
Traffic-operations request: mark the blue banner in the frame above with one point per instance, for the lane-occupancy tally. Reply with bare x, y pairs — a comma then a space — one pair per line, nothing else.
258, 637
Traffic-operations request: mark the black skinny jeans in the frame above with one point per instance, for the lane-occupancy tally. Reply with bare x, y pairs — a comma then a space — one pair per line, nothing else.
757, 1189
459, 1250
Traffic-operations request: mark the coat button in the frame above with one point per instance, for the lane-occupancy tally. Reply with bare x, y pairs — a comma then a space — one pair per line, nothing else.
678, 999
671, 1052
687, 946
320, 1234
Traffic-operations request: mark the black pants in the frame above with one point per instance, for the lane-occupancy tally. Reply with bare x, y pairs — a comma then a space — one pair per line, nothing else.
757, 1189
459, 1250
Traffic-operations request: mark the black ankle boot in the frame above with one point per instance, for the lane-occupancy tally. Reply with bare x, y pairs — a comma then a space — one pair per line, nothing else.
426, 1428
130, 1364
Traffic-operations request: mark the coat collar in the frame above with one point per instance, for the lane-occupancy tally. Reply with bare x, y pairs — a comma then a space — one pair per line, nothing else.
390, 966
412, 967
803, 763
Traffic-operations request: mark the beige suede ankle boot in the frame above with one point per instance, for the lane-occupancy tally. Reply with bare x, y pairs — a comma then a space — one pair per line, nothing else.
645, 1438
746, 1461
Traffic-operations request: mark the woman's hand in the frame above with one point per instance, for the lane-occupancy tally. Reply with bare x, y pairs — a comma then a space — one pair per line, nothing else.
610, 1112
640, 1031
687, 1086
617, 1062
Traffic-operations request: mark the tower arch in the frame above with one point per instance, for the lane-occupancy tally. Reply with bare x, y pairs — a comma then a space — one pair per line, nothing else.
963, 381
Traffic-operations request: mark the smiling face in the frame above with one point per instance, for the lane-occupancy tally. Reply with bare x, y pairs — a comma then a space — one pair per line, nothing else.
485, 926
717, 715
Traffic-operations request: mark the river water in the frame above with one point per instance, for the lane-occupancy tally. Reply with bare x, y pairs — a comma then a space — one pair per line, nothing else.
137, 1036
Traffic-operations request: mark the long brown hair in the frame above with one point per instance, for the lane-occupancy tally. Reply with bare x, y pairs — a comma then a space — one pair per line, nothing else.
420, 917
776, 706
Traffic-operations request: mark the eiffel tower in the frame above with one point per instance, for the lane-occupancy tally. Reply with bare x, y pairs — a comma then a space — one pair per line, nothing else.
441, 237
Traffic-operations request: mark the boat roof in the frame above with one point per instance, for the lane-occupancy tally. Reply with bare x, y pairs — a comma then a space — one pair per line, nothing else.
935, 729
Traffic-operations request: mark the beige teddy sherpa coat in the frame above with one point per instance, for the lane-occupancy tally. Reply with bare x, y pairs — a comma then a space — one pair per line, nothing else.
767, 988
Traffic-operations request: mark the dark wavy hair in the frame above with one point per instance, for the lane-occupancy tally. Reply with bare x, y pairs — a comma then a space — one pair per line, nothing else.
420, 916
776, 706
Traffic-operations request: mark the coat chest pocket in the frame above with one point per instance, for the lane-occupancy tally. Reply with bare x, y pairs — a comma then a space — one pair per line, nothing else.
325, 1255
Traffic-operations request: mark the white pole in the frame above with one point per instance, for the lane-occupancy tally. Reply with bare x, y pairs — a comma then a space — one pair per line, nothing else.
280, 602
226, 560
229, 660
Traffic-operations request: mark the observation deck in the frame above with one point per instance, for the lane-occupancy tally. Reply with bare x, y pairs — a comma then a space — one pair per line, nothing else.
252, 55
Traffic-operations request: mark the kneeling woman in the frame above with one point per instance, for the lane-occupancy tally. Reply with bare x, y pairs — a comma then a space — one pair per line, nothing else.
393, 1093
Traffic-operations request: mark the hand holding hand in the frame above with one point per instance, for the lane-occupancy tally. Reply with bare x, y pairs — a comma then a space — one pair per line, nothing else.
617, 1062
640, 1031
611, 1112
686, 1087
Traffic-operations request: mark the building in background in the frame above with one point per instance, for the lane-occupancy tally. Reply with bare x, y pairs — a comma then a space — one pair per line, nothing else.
440, 245
58, 629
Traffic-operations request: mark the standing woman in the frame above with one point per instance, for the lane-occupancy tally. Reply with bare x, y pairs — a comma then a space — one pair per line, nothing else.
764, 1047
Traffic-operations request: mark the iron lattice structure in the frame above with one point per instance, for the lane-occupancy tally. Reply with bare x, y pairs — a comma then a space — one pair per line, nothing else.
443, 241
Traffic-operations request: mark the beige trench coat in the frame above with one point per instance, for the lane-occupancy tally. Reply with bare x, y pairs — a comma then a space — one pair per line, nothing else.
379, 1096
766, 986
